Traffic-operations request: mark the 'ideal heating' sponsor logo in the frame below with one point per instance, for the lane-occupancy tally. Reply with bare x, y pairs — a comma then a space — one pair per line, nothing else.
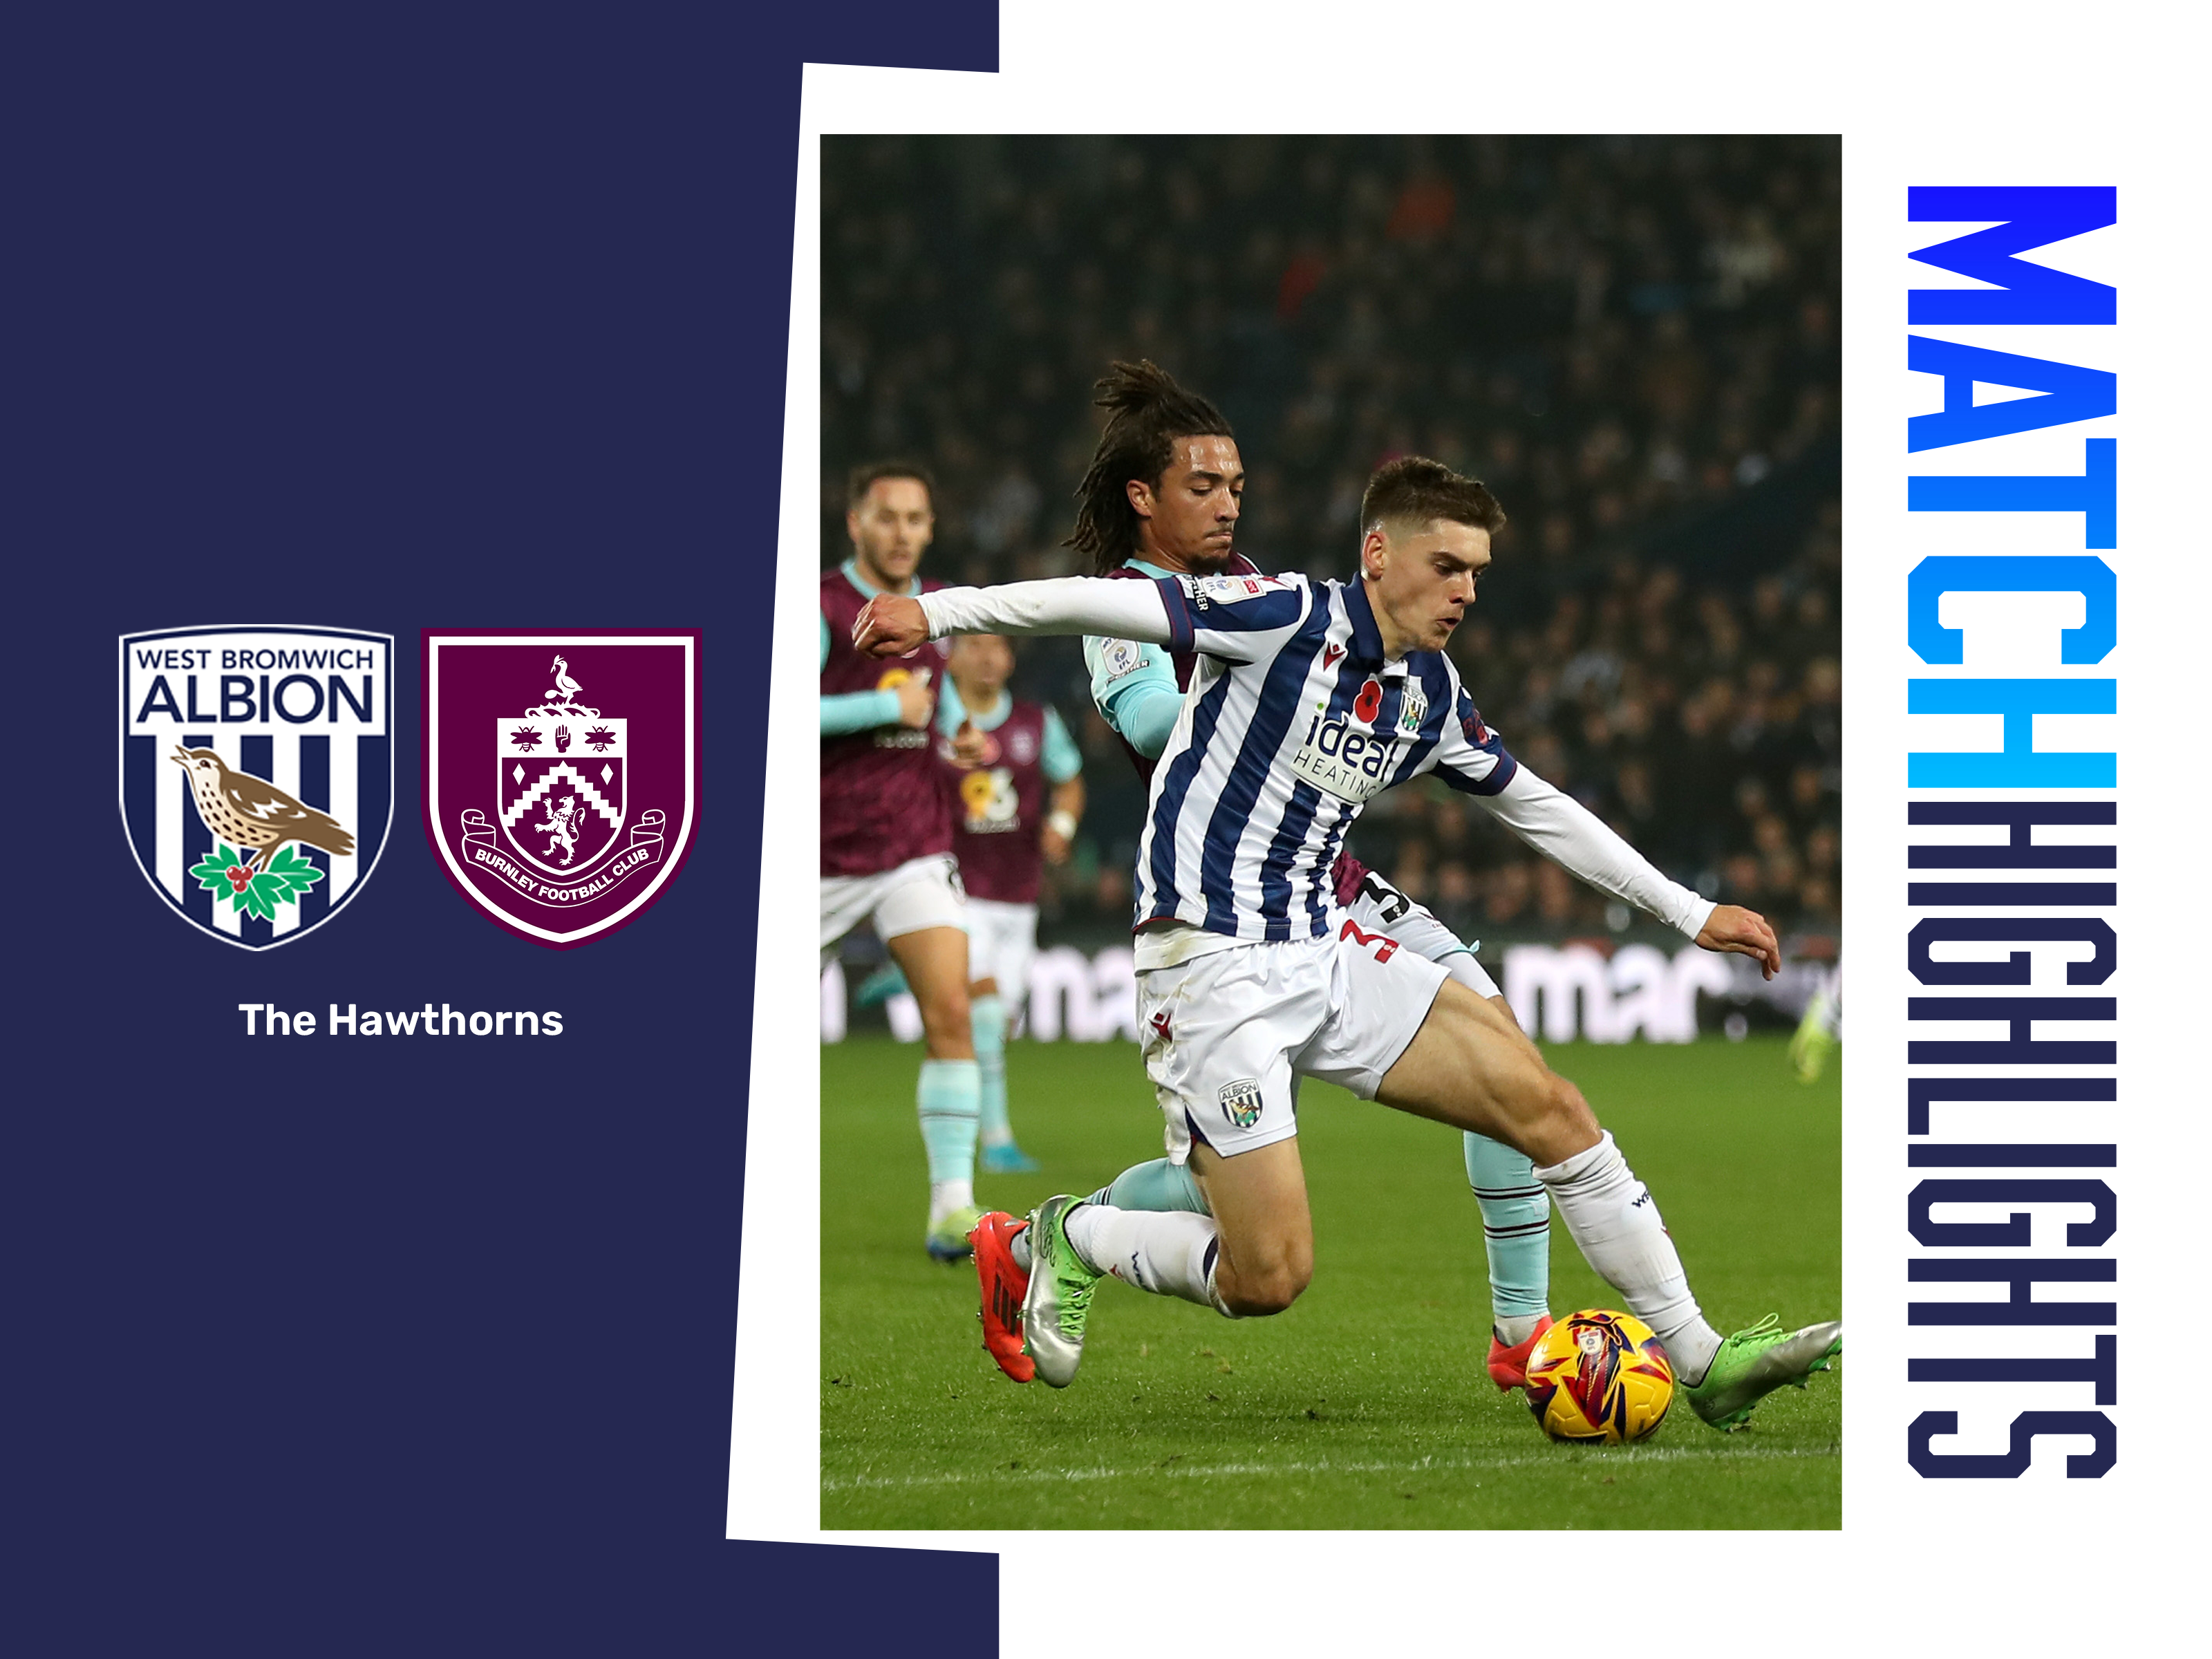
1346, 762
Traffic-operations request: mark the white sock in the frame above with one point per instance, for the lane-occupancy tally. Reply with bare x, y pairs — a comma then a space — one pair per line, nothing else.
1168, 1252
1514, 1329
1615, 1223
946, 1196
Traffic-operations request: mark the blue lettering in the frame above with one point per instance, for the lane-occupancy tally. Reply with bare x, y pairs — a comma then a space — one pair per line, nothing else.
2019, 764
2093, 493
2014, 970
364, 707
2083, 574
2069, 393
2023, 293
2020, 1307
159, 697
2019, 1047
2010, 1464
2010, 1179
314, 708
2101, 1368
2013, 1231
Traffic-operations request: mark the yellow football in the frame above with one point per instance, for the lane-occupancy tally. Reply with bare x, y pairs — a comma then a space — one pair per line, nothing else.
1600, 1378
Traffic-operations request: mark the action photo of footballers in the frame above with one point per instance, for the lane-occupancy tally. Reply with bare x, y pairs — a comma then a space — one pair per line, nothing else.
1227, 400
1162, 497
1245, 983
886, 830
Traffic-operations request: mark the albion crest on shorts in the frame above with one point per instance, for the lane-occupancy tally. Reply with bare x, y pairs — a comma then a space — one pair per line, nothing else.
255, 772
1241, 1101
560, 772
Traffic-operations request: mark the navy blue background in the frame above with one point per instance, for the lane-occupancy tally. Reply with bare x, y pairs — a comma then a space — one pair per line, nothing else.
453, 317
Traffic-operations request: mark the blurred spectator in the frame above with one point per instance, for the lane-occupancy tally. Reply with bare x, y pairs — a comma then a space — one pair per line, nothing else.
1633, 340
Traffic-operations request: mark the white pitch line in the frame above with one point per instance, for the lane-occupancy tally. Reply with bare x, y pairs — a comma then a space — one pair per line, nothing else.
1422, 1466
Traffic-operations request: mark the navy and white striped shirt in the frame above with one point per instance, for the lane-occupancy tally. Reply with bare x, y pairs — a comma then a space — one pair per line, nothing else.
1293, 723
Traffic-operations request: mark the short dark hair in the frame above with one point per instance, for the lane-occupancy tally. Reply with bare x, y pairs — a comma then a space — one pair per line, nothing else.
864, 477
1415, 489
1149, 412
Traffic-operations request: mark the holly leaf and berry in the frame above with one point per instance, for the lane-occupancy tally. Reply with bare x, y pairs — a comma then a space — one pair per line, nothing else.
257, 892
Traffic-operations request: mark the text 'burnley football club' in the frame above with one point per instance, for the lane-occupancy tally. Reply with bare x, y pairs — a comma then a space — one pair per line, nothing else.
560, 773
255, 772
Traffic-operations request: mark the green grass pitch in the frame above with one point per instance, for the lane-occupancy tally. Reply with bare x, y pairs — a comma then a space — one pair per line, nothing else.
1365, 1405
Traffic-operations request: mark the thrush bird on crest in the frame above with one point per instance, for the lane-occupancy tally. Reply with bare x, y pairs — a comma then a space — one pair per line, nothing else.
254, 814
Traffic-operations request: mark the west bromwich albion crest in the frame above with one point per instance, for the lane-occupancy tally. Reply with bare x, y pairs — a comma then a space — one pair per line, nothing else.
255, 773
1412, 708
590, 741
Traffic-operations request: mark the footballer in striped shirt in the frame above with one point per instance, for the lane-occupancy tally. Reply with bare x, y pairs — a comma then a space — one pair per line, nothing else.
1311, 698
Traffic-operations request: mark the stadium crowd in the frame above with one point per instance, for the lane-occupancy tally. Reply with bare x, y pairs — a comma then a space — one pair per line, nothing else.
1633, 340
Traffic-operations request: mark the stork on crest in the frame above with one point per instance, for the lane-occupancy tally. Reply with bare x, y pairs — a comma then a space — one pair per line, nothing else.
562, 699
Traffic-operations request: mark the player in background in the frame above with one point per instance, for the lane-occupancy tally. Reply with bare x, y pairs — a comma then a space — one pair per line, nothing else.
1820, 1031
1311, 698
1162, 498
1017, 797
887, 832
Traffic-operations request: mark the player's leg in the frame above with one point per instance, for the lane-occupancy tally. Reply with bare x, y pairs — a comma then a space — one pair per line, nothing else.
923, 926
1517, 1238
1820, 1029
1259, 1203
1005, 1256
1158, 1183
1219, 1065
1470, 1066
1516, 1232
999, 971
1254, 1261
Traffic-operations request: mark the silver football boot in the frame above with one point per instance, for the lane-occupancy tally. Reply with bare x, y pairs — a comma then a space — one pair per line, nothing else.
1058, 1306
1752, 1364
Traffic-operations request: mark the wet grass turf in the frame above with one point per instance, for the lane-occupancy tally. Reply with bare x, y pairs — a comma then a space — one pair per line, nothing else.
1365, 1405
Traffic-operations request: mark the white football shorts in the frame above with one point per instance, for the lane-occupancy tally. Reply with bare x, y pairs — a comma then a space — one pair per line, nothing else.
1227, 1033
1001, 944
923, 893
1380, 907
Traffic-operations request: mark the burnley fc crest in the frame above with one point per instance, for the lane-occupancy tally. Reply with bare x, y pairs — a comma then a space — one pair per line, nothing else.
559, 772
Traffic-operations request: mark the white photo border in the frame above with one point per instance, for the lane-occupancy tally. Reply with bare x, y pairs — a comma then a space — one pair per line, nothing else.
1933, 95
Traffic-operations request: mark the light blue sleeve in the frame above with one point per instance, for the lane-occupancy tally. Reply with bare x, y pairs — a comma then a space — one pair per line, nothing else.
846, 712
1062, 759
950, 711
857, 711
1133, 686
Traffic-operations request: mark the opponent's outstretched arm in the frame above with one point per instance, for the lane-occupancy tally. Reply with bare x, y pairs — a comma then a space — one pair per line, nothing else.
1572, 837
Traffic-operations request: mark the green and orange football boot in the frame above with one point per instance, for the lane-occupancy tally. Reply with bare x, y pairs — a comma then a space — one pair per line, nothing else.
1056, 1312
